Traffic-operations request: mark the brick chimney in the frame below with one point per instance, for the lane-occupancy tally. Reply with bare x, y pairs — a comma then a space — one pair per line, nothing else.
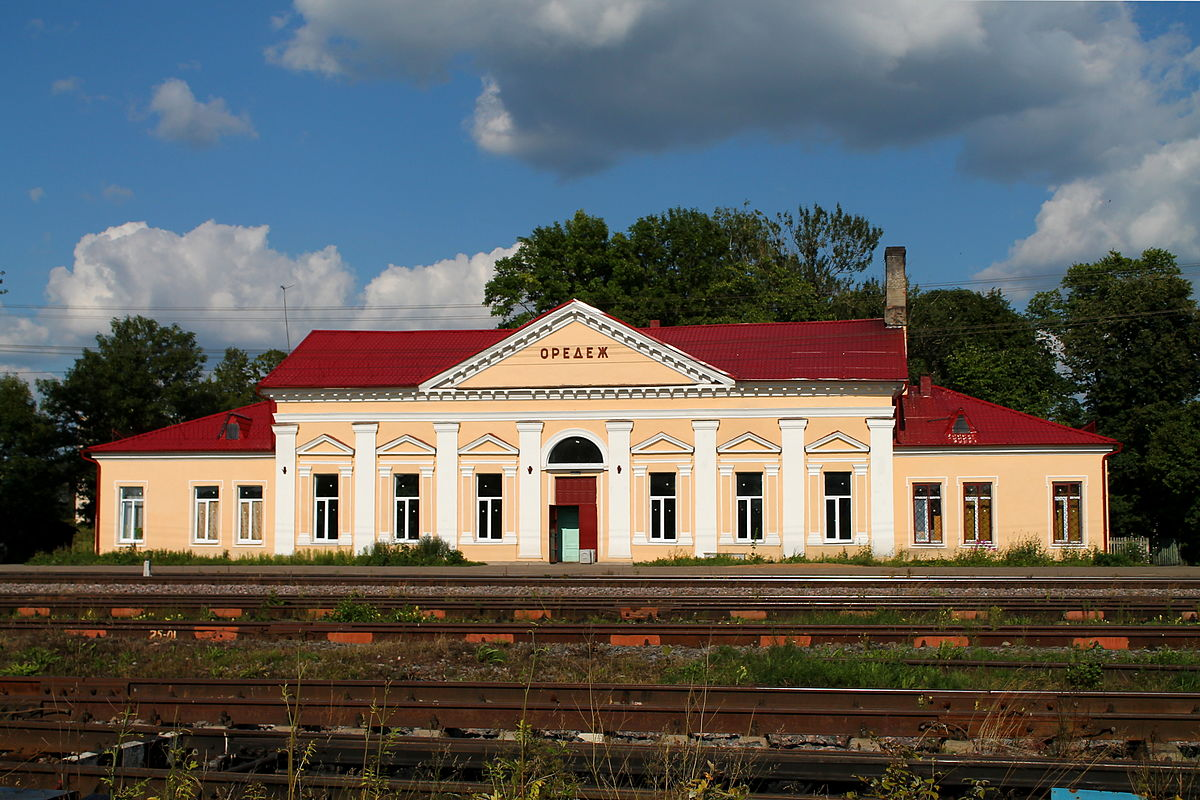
895, 311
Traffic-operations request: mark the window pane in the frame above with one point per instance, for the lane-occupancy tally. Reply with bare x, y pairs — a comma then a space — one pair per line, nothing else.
669, 518
656, 519
320, 520
830, 518
333, 517
844, 517
326, 485
414, 519
406, 485
482, 533
985, 520
206, 492
575, 450
662, 483
250, 492
743, 530
749, 484
488, 484
837, 483
497, 521
756, 520
131, 492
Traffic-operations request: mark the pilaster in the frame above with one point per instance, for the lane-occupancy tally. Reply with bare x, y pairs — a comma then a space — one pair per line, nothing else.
446, 481
285, 488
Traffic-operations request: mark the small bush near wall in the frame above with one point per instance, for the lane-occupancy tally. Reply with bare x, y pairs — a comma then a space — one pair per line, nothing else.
428, 552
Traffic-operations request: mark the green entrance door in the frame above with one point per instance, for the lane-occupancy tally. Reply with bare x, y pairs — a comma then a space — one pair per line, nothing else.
568, 527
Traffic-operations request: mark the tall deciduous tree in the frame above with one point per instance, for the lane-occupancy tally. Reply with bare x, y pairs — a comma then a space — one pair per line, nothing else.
34, 492
1129, 333
234, 377
829, 248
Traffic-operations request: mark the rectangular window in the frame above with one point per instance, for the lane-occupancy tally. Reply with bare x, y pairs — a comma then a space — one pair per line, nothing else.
207, 517
132, 498
250, 514
325, 489
977, 513
837, 507
491, 509
1068, 524
662, 506
408, 507
749, 506
927, 513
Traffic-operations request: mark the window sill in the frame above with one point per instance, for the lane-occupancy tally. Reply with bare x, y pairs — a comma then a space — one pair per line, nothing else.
249, 544
929, 545
206, 543
488, 542
980, 545
1070, 545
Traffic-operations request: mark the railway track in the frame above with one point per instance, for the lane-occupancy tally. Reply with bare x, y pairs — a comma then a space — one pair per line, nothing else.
640, 634
605, 708
233, 758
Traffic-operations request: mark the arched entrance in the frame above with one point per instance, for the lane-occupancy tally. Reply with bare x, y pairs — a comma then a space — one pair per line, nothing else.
573, 518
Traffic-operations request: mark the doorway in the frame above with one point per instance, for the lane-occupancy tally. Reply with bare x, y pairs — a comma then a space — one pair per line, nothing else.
573, 520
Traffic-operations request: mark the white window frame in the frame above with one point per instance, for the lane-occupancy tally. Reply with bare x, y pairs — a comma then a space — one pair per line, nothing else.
837, 507
1055, 541
927, 516
745, 509
210, 509
488, 508
133, 510
249, 503
321, 508
974, 501
658, 510
402, 508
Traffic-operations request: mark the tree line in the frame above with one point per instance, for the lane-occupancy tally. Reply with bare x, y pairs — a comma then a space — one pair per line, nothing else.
1116, 346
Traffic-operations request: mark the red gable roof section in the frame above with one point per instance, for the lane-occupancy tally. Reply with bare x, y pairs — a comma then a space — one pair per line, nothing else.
928, 421
842, 350
207, 434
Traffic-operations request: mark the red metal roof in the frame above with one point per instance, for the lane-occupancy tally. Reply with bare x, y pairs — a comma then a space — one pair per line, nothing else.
841, 350
207, 434
930, 421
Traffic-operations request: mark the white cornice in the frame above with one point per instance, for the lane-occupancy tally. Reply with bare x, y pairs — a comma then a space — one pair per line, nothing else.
600, 414
578, 311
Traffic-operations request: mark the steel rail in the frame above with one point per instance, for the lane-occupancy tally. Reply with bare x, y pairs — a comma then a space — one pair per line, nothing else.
757, 765
636, 634
606, 707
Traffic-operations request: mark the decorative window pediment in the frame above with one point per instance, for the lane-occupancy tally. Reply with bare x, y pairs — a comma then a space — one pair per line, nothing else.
406, 445
837, 442
488, 445
325, 445
661, 444
749, 443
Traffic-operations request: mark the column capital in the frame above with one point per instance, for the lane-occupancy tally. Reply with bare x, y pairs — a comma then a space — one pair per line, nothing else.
619, 425
881, 424
705, 424
364, 427
530, 427
285, 429
793, 424
445, 427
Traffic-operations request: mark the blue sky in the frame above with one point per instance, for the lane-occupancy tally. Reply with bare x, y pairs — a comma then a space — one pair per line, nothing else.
185, 160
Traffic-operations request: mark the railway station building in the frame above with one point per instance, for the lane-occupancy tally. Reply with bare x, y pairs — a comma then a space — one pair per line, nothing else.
578, 437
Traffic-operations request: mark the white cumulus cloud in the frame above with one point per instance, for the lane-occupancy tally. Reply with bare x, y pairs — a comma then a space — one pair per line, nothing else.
447, 293
183, 118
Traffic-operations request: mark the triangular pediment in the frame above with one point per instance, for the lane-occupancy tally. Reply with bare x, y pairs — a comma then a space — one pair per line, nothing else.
837, 442
488, 445
577, 345
407, 446
324, 445
661, 444
748, 443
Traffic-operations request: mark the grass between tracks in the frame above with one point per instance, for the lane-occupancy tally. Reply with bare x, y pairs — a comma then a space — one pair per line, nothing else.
442, 660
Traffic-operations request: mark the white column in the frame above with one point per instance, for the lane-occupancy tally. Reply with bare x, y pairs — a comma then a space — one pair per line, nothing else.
883, 503
618, 489
364, 484
285, 488
705, 485
793, 484
446, 481
529, 490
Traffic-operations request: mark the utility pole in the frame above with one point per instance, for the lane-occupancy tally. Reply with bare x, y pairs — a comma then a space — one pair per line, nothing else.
286, 330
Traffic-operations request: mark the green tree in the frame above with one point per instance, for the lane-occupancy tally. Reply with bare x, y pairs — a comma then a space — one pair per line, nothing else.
139, 377
1129, 334
978, 344
234, 377
34, 489
828, 249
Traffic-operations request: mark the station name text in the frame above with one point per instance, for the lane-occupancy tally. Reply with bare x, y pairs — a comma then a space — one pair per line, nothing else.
565, 353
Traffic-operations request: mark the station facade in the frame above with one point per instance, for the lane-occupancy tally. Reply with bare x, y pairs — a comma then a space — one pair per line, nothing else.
579, 437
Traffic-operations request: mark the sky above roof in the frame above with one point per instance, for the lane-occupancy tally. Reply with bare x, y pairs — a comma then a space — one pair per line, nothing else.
185, 161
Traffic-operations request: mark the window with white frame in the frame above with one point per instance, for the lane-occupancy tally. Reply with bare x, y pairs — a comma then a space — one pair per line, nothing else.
927, 513
1068, 522
488, 494
131, 529
325, 516
662, 506
207, 517
977, 513
837, 507
749, 506
250, 515
408, 507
